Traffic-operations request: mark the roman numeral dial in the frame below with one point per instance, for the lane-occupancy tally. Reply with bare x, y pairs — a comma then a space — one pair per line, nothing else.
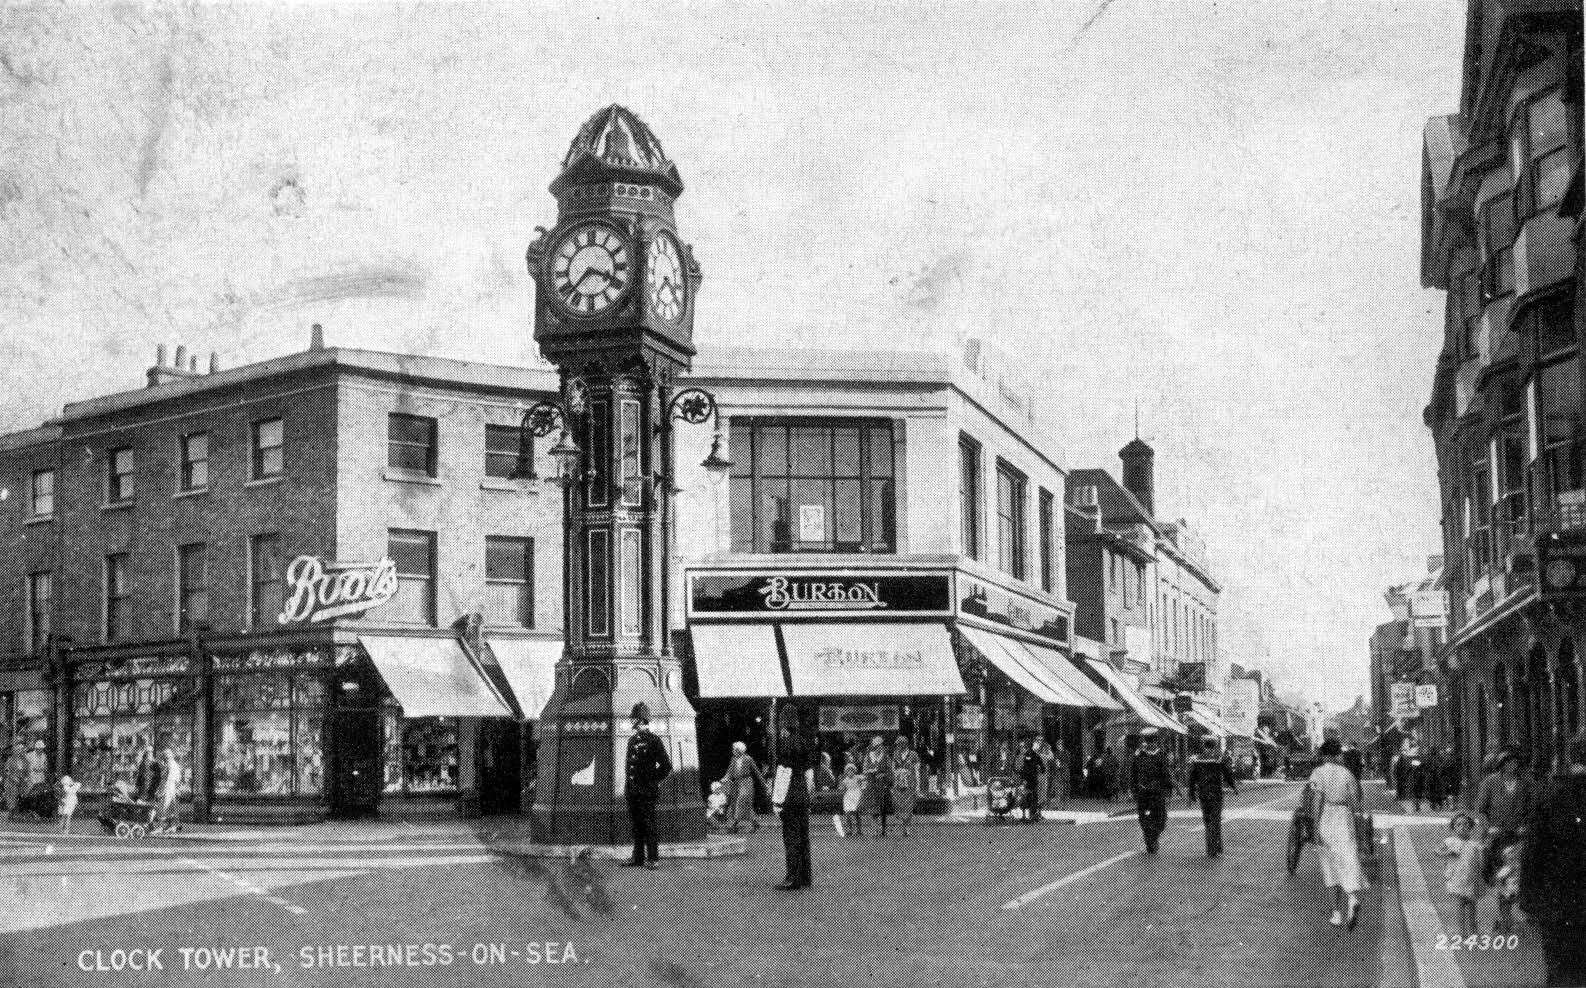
590, 268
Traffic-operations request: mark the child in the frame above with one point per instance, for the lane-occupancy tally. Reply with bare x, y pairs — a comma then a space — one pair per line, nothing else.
1463, 869
716, 806
853, 787
68, 802
1508, 883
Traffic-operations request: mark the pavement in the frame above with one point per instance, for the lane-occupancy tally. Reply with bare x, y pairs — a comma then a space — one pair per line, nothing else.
439, 904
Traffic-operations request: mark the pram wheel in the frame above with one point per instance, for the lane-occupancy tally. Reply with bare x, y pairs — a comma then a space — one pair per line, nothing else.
123, 830
139, 830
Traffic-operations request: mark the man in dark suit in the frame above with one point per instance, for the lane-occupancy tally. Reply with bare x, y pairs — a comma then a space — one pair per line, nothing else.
793, 752
1208, 775
648, 766
1553, 870
1152, 783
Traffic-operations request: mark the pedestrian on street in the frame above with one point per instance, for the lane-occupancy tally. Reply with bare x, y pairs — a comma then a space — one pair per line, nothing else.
1030, 769
1553, 870
146, 777
1462, 873
794, 753
743, 783
906, 778
1504, 801
1209, 775
648, 764
1433, 770
1338, 794
38, 765
1044, 751
1058, 777
877, 769
68, 804
16, 778
1151, 781
170, 785
1109, 775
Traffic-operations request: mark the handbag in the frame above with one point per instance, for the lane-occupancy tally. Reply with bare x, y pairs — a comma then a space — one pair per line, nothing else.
784, 779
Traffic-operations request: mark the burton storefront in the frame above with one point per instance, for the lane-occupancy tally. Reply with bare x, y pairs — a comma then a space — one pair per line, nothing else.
960, 666
295, 728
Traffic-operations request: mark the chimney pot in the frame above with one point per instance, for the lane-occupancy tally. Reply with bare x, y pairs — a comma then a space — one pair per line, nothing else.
181, 356
159, 355
192, 363
316, 337
214, 362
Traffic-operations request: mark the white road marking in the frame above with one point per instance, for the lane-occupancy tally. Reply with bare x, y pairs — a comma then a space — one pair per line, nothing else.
246, 886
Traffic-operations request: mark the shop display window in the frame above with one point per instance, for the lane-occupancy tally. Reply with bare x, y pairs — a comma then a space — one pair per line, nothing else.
421, 754
113, 721
269, 734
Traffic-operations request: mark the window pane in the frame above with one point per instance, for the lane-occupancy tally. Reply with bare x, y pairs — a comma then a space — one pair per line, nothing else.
1549, 122
1500, 226
253, 754
740, 503
507, 451
845, 446
879, 450
770, 451
411, 429
413, 553
811, 513
775, 532
270, 433
850, 504
308, 730
883, 521
1561, 401
506, 559
812, 452
739, 441
507, 605
123, 461
1552, 178
272, 462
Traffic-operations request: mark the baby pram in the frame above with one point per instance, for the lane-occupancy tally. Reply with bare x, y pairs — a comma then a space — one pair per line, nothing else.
128, 818
1002, 796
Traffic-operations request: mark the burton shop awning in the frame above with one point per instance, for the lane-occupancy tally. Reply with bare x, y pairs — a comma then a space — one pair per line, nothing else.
1019, 665
1058, 665
530, 667
737, 660
1143, 709
433, 677
871, 660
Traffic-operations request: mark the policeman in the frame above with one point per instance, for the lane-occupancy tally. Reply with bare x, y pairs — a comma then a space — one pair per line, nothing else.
793, 752
648, 766
1208, 775
1152, 783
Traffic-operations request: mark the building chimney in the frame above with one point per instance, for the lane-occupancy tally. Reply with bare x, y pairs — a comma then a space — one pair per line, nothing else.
159, 355
181, 356
316, 337
1138, 478
192, 364
214, 362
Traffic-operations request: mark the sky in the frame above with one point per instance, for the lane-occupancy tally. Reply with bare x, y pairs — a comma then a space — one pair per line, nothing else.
1208, 210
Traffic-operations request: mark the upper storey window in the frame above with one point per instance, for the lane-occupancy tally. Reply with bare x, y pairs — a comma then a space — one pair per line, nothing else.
1539, 148
1497, 245
812, 486
1467, 287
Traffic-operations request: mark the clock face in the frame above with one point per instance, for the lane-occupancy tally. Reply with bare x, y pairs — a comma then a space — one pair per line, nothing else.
589, 268
664, 278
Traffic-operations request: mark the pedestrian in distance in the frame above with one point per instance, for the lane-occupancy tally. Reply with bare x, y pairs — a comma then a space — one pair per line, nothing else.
68, 802
146, 776
1453, 777
1553, 869
877, 769
1209, 775
647, 766
1044, 797
1432, 769
743, 783
1504, 801
825, 778
1151, 781
798, 762
906, 779
165, 813
1462, 872
1030, 769
16, 778
1109, 775
852, 786
1337, 796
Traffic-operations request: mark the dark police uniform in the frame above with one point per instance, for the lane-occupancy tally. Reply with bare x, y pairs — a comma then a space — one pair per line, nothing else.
648, 766
794, 754
1152, 782
1207, 778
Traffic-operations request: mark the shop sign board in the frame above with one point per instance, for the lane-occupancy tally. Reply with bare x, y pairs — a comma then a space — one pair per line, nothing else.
1426, 696
319, 591
1242, 705
1402, 696
1429, 608
1004, 607
859, 718
769, 594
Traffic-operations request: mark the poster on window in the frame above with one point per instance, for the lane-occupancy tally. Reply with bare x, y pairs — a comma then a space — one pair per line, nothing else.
812, 523
1426, 696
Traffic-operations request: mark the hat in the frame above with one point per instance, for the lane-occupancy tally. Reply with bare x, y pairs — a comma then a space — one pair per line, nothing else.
38, 746
641, 713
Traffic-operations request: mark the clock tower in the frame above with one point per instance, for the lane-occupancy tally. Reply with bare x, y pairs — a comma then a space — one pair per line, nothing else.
614, 311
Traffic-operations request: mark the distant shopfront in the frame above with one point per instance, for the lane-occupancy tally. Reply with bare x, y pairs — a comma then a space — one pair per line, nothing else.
960, 665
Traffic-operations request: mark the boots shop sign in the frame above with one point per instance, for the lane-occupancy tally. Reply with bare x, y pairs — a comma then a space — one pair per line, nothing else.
818, 594
319, 591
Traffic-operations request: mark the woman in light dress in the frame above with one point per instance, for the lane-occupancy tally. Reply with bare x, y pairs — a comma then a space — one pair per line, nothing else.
170, 785
1337, 793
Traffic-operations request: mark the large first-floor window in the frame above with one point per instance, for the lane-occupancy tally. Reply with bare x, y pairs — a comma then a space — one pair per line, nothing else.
114, 721
421, 753
270, 734
812, 486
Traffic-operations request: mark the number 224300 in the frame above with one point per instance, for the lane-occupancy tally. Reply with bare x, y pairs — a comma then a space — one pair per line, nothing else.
1483, 942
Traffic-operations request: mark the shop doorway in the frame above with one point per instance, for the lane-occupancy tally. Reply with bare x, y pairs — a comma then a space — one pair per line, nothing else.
721, 722
356, 777
500, 765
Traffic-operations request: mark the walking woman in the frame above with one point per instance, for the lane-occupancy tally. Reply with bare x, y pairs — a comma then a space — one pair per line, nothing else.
1337, 795
906, 771
744, 780
876, 767
1504, 802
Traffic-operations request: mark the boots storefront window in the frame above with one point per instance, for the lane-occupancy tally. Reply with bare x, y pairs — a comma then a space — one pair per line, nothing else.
269, 724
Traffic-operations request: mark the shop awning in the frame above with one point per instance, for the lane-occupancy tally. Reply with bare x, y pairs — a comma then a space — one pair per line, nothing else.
1142, 708
1211, 724
433, 677
1020, 666
737, 660
1262, 737
530, 667
1058, 665
871, 660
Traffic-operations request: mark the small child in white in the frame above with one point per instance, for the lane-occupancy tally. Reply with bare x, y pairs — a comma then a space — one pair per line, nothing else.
716, 806
852, 785
1507, 881
1463, 870
68, 805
